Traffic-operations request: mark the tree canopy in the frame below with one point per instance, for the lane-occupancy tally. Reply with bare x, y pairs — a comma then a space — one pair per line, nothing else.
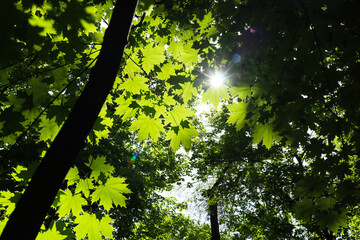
277, 155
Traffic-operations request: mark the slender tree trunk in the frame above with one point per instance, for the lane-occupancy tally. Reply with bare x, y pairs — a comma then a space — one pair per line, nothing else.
26, 220
215, 232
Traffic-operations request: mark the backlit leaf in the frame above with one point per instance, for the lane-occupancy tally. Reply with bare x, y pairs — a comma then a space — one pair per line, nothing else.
69, 202
135, 84
178, 114
183, 136
90, 226
214, 95
266, 134
98, 165
237, 114
111, 193
51, 233
147, 126
153, 55
49, 129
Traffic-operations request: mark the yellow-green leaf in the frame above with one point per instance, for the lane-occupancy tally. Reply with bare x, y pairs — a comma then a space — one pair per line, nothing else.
49, 129
90, 226
69, 202
178, 114
147, 126
98, 165
135, 84
51, 233
72, 176
237, 114
153, 55
183, 136
111, 193
266, 134
214, 95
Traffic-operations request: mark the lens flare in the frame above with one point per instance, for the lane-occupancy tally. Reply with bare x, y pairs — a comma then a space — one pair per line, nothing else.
133, 158
217, 79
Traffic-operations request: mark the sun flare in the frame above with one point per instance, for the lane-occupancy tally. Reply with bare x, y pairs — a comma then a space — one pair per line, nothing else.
217, 79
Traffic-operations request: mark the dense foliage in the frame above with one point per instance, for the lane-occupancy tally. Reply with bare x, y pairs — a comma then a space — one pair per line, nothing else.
279, 160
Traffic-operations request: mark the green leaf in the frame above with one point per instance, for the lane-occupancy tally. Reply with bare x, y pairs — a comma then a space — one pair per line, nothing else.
84, 186
237, 114
39, 91
6, 202
333, 220
166, 70
205, 23
135, 84
88, 27
304, 209
242, 91
183, 136
72, 176
266, 134
111, 193
146, 127
47, 25
69, 202
176, 48
90, 226
178, 114
51, 233
49, 129
214, 94
187, 91
132, 66
153, 55
98, 165
189, 56
124, 108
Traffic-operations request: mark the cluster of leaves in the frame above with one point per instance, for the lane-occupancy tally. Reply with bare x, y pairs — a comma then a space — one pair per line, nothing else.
292, 80
265, 193
292, 86
81, 209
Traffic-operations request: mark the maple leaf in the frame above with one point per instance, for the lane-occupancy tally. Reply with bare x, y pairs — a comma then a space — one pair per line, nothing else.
237, 114
123, 109
72, 176
175, 48
51, 233
166, 70
183, 136
110, 193
49, 129
98, 165
214, 94
241, 91
178, 114
131, 67
90, 226
39, 91
266, 134
153, 55
189, 56
135, 84
187, 91
88, 27
69, 202
84, 186
205, 23
146, 127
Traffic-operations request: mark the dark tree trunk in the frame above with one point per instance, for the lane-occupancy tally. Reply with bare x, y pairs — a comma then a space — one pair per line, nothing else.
215, 232
29, 214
